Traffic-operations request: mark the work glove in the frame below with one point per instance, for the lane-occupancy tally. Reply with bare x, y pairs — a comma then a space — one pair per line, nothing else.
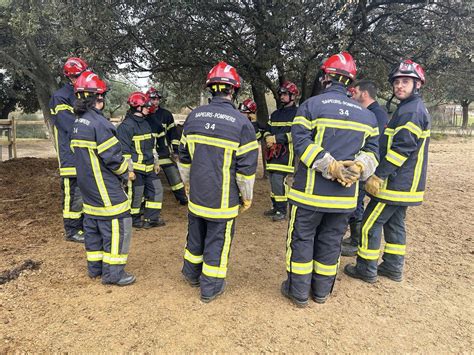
373, 185
174, 157
352, 172
186, 189
131, 176
336, 171
270, 140
245, 205
156, 168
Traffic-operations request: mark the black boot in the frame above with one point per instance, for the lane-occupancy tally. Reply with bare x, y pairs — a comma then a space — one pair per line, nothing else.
78, 237
349, 245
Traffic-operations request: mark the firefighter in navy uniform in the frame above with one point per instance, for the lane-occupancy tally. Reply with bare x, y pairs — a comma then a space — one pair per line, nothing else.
336, 140
138, 145
249, 108
101, 171
399, 180
62, 117
218, 159
365, 93
279, 154
162, 117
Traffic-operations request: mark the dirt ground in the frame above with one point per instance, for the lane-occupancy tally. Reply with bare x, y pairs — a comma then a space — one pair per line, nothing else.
58, 308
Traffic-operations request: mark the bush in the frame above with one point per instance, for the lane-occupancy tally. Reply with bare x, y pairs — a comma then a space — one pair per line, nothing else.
31, 131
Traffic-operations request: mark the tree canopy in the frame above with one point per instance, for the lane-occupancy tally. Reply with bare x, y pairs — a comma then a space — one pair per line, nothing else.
267, 41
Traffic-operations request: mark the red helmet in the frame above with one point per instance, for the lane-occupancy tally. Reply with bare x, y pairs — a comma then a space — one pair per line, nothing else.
407, 68
152, 93
248, 106
90, 82
223, 73
342, 64
74, 67
137, 99
288, 87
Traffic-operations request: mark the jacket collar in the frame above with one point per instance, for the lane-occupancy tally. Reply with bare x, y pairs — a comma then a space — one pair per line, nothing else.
336, 87
221, 100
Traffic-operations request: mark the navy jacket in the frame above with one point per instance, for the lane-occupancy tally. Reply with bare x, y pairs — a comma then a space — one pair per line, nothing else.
381, 116
61, 106
404, 154
219, 147
330, 123
101, 167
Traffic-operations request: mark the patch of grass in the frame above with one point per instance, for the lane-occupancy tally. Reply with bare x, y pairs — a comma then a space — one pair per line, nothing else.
31, 131
438, 136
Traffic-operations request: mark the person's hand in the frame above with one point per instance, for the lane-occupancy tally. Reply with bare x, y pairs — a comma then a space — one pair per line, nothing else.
245, 205
131, 176
373, 185
351, 172
156, 168
270, 140
186, 188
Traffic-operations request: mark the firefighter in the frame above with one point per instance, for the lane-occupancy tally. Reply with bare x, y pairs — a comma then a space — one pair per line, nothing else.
336, 140
62, 118
365, 93
249, 108
138, 145
101, 171
164, 118
279, 154
399, 180
217, 160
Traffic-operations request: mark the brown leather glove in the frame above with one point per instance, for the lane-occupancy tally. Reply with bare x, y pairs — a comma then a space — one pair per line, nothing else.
131, 176
270, 140
352, 172
336, 170
156, 168
373, 185
245, 205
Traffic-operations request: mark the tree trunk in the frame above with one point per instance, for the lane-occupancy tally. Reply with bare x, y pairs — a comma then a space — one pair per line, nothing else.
465, 113
258, 91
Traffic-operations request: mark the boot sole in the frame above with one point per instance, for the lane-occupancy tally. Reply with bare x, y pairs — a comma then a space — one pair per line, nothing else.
360, 277
389, 276
212, 298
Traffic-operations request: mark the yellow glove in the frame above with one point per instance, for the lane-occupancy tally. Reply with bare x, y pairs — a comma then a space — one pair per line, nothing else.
373, 185
335, 169
352, 172
131, 176
245, 205
186, 188
156, 168
270, 140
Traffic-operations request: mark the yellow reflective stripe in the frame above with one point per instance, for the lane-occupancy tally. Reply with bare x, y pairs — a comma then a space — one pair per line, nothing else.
135, 210
300, 268
401, 196
310, 154
350, 125
171, 125
94, 255
118, 259
62, 107
175, 142
142, 137
410, 126
138, 149
153, 205
288, 136
212, 141
368, 224
178, 186
245, 177
99, 179
280, 167
226, 178
395, 158
334, 202
368, 254
291, 227
323, 269
226, 247
291, 156
203, 211
214, 271
418, 168
165, 161
279, 198
158, 135
247, 148
194, 259
81, 143
398, 249
303, 121
67, 196
184, 165
107, 144
127, 156
311, 174
115, 240
56, 143
122, 168
191, 149
72, 215
69, 171
108, 210
183, 140
280, 124
143, 167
